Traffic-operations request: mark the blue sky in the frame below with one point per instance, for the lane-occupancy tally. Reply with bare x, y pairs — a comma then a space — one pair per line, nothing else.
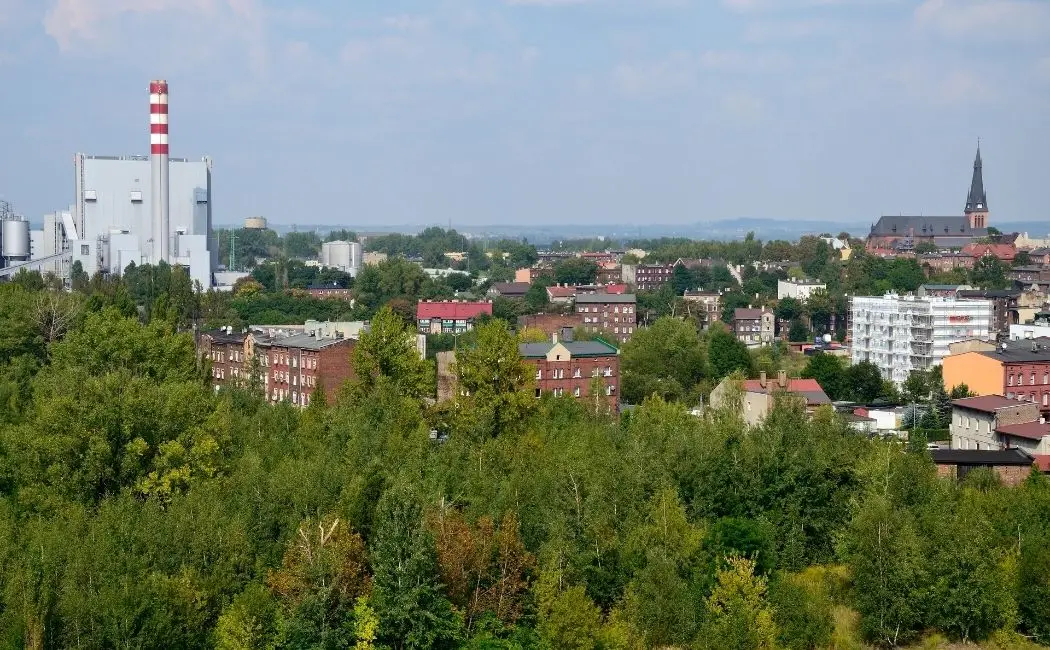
543, 111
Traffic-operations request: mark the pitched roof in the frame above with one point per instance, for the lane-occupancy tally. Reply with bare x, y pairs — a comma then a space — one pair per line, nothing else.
808, 388
922, 226
600, 298
1002, 251
1028, 430
452, 310
988, 457
977, 199
575, 348
743, 313
511, 288
986, 403
561, 292
302, 341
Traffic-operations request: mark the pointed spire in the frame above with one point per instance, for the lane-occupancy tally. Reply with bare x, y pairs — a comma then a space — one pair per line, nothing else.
976, 200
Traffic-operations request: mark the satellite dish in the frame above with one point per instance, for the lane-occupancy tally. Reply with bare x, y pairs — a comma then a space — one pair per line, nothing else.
827, 338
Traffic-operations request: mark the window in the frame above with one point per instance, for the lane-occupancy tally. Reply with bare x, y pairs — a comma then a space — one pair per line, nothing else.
85, 249
1031, 380
90, 195
576, 373
1009, 380
609, 390
539, 374
537, 393
576, 392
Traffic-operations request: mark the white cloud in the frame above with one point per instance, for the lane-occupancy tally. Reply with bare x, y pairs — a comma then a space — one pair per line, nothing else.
1003, 19
73, 21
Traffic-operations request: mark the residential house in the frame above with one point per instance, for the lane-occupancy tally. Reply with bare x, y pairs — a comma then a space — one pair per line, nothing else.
560, 294
1004, 252
509, 289
225, 351
1040, 256
976, 420
1029, 274
569, 367
1020, 370
758, 396
296, 367
709, 302
612, 313
609, 273
753, 326
799, 289
647, 277
1012, 466
449, 317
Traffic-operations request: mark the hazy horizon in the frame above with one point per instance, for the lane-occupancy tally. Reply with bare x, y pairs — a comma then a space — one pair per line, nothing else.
542, 112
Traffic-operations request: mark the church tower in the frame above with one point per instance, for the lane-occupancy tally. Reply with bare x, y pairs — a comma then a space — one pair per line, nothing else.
976, 200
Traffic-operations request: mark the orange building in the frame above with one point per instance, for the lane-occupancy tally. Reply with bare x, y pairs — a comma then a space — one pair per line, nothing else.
1021, 371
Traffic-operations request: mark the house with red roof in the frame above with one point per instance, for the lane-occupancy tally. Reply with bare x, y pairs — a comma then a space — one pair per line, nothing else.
759, 396
997, 422
561, 294
449, 316
1005, 252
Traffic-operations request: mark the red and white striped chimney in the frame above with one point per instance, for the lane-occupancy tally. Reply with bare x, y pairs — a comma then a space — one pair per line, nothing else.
158, 141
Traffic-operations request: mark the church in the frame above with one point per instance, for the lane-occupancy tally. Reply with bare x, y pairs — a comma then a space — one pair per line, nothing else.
903, 233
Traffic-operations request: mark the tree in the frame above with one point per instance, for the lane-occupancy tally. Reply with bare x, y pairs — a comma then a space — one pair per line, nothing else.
798, 331
960, 391
387, 351
726, 353
829, 372
917, 386
925, 247
1022, 258
667, 358
989, 272
377, 284
863, 382
739, 618
575, 271
496, 379
789, 309
406, 597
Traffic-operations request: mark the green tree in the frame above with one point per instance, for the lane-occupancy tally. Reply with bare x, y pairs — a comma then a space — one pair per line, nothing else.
726, 353
989, 272
829, 372
739, 618
387, 351
789, 309
496, 379
798, 331
406, 596
668, 358
576, 271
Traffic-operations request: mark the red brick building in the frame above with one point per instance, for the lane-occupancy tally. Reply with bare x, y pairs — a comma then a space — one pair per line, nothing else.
297, 366
449, 316
570, 368
614, 313
226, 353
549, 324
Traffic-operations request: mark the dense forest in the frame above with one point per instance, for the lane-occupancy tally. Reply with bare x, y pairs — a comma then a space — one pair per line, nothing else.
138, 508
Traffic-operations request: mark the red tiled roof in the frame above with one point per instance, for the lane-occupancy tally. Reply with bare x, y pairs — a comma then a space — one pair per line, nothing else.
1029, 430
452, 310
1002, 251
808, 388
987, 403
615, 288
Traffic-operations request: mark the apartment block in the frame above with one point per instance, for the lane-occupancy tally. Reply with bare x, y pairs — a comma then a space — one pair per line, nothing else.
613, 313
226, 353
567, 367
994, 422
903, 333
754, 326
709, 302
799, 289
1017, 369
295, 367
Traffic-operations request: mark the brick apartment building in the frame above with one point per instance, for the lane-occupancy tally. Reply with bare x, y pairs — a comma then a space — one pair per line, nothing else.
569, 367
1020, 370
549, 324
449, 316
330, 291
647, 277
613, 313
753, 326
295, 367
609, 273
225, 351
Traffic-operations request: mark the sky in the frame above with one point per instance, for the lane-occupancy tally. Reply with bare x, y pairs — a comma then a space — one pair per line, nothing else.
584, 112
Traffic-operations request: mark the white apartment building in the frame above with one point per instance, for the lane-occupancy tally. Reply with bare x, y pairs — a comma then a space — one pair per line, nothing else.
799, 289
904, 333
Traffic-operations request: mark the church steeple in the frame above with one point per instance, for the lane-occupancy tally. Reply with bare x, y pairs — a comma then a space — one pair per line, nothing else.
977, 200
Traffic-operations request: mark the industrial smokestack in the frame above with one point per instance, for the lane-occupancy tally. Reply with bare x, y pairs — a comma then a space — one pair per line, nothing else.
158, 141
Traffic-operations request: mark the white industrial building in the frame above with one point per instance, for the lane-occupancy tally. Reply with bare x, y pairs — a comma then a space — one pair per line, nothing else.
342, 255
799, 289
904, 333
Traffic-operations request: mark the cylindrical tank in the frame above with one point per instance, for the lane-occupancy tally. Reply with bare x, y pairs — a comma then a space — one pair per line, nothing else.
15, 240
255, 223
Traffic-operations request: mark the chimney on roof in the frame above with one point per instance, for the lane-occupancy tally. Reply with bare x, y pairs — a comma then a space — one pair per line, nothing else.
762, 379
554, 337
782, 378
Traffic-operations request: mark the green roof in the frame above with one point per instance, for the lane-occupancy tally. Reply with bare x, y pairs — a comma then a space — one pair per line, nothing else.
575, 348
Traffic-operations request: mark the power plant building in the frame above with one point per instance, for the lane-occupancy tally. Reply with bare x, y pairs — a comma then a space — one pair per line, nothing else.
342, 255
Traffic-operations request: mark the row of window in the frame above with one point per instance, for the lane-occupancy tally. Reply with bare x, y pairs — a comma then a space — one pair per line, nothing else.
1030, 397
576, 392
279, 395
294, 379
1031, 379
584, 309
559, 373
279, 359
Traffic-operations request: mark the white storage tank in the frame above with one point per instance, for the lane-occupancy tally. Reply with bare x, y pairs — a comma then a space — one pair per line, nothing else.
15, 240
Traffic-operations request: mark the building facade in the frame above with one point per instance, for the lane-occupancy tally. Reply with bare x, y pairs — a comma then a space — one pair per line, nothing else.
1005, 306
759, 396
612, 313
647, 277
112, 222
990, 422
296, 367
449, 316
799, 289
575, 368
226, 353
903, 333
710, 303
342, 255
1019, 370
754, 326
